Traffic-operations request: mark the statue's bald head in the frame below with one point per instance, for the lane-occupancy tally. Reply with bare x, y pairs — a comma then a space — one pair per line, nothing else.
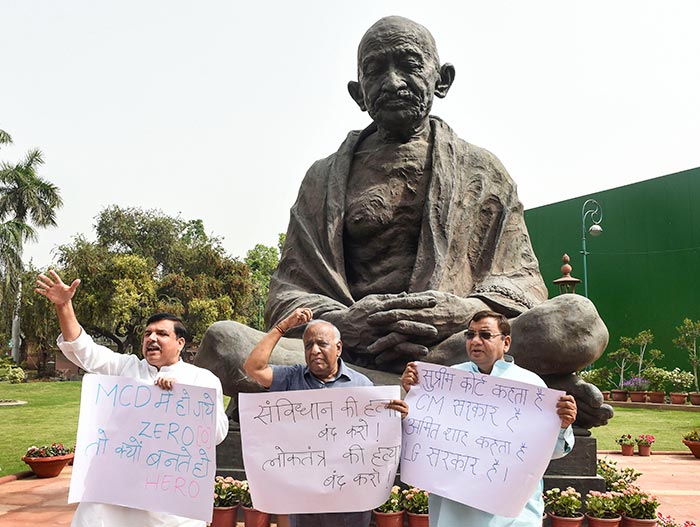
396, 29
399, 73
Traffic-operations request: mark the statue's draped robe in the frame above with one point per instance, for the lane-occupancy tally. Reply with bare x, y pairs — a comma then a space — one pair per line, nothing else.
473, 240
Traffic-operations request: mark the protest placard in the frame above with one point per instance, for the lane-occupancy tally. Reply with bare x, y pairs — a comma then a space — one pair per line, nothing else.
481, 440
143, 447
313, 451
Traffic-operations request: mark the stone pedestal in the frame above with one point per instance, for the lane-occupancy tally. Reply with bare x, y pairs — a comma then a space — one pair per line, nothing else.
229, 454
578, 469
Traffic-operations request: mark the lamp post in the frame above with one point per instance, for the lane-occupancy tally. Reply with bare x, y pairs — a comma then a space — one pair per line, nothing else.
591, 209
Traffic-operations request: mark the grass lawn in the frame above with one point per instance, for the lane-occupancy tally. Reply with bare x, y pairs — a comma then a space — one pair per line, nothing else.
52, 415
667, 426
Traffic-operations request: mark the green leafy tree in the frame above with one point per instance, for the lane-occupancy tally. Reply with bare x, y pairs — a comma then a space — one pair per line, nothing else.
39, 323
688, 335
27, 202
144, 261
621, 358
117, 291
641, 341
262, 262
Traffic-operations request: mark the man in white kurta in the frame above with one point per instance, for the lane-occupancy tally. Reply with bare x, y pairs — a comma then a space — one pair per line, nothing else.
488, 340
163, 342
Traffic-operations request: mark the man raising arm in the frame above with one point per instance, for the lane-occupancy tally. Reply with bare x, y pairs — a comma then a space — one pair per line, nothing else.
323, 369
163, 341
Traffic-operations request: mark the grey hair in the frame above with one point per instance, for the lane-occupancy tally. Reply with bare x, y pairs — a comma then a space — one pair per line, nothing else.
316, 322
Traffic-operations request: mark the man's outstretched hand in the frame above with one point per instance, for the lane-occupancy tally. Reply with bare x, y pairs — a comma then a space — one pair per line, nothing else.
54, 289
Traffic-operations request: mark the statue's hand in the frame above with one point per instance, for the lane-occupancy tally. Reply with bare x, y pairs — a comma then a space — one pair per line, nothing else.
401, 327
359, 337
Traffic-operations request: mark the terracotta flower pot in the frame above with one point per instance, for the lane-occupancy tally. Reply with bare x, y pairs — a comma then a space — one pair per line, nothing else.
417, 520
618, 395
644, 450
255, 518
47, 467
656, 397
694, 398
636, 522
388, 519
638, 396
562, 521
678, 397
694, 447
606, 395
627, 450
224, 516
603, 522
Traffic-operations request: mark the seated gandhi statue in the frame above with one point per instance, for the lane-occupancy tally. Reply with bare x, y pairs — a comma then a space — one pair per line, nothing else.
404, 233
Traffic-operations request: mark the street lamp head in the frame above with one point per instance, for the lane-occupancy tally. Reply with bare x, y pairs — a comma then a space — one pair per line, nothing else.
595, 230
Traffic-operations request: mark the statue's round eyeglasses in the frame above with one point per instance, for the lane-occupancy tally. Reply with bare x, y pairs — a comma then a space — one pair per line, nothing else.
483, 335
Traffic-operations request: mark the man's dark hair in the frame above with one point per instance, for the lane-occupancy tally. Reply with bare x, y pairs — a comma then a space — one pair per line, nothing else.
179, 325
503, 324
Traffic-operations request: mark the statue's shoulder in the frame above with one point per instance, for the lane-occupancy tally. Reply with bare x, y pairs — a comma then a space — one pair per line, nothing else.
468, 156
343, 156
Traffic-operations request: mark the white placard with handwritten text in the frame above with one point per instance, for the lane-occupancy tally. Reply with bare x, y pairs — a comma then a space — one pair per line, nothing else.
310, 451
143, 447
477, 439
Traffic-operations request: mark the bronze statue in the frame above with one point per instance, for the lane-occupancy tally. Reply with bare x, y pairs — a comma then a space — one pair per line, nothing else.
407, 231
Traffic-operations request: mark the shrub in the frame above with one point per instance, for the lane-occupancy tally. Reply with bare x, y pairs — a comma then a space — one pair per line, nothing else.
693, 435
638, 504
615, 478
603, 504
625, 439
657, 377
56, 449
246, 499
227, 491
566, 503
393, 502
636, 384
680, 381
600, 377
645, 439
16, 375
415, 500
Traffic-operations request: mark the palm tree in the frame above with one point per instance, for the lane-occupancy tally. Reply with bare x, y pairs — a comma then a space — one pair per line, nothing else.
26, 201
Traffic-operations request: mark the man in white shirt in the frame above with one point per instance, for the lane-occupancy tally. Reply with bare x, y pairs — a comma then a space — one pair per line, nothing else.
488, 341
163, 342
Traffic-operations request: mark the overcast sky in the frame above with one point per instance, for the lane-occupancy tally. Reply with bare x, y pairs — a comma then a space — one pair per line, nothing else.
215, 109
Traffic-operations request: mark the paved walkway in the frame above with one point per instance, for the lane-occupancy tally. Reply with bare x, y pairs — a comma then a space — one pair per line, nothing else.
674, 477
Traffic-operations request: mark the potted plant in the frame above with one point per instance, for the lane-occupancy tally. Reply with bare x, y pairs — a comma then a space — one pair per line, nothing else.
638, 505
627, 442
227, 496
644, 442
602, 509
252, 517
563, 507
669, 521
692, 441
390, 513
415, 503
615, 479
637, 387
48, 461
658, 378
689, 339
681, 382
